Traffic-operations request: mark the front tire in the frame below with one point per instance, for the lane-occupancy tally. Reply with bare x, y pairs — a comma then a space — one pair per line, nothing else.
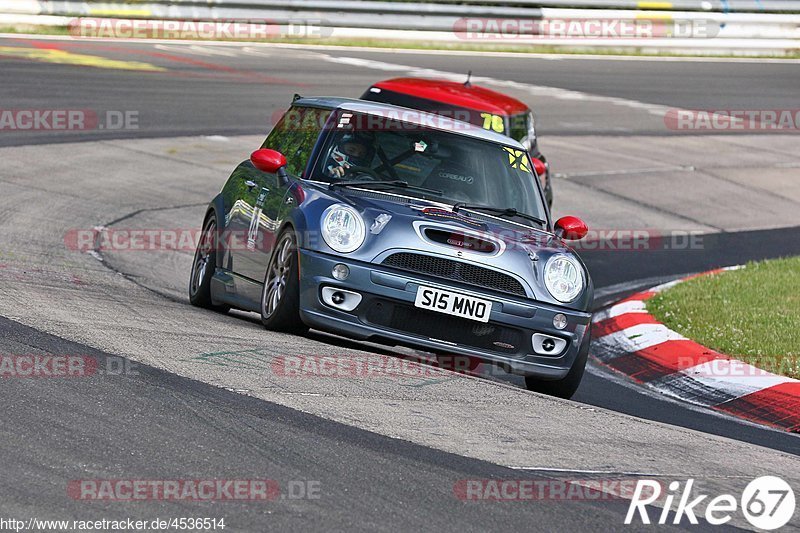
568, 385
280, 297
204, 265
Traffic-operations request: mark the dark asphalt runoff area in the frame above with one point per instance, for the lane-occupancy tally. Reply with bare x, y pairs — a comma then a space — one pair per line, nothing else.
148, 424
154, 424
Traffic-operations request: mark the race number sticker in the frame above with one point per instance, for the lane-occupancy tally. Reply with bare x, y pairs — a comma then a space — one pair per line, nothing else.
344, 121
493, 122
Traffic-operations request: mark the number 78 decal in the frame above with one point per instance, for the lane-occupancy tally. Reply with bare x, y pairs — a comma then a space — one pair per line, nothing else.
493, 122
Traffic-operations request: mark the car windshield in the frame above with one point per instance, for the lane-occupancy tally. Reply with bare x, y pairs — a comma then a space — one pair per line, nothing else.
433, 164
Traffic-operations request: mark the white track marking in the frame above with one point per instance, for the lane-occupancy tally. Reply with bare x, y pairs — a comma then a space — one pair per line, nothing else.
179, 49
642, 336
535, 90
213, 51
625, 286
630, 306
665, 286
578, 471
652, 170
259, 52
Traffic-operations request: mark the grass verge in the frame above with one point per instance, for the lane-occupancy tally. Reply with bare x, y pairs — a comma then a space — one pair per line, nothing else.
752, 314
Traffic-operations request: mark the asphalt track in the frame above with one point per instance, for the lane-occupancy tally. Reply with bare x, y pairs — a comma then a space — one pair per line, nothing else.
158, 424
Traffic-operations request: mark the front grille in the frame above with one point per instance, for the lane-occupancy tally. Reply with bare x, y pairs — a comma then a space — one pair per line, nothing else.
455, 270
409, 319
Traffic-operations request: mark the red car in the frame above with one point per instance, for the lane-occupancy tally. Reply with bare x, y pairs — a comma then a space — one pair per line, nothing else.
483, 107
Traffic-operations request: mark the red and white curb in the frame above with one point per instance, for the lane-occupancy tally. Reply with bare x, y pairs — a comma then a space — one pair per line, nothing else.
627, 339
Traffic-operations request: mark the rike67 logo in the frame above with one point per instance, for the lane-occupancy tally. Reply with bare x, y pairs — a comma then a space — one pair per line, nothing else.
767, 503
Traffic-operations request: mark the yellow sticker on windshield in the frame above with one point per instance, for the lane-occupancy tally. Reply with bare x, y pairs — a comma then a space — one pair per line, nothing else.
493, 122
517, 159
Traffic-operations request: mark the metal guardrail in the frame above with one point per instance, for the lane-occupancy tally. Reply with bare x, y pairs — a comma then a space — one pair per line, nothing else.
437, 15
440, 20
350, 13
721, 6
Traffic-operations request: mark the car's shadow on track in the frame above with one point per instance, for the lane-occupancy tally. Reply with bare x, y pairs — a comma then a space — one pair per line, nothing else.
441, 361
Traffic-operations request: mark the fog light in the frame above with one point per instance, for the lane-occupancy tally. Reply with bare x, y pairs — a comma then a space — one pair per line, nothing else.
340, 299
560, 321
340, 272
548, 345
337, 298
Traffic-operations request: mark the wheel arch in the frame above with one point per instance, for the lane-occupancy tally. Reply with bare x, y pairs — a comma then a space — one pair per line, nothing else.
216, 206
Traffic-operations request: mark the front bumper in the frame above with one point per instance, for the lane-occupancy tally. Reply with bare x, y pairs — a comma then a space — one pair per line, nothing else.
386, 313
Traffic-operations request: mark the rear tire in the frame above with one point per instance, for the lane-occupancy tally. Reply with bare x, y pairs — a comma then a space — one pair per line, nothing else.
203, 267
568, 385
280, 297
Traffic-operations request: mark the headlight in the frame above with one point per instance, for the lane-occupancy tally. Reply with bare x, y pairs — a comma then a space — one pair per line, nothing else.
343, 228
563, 277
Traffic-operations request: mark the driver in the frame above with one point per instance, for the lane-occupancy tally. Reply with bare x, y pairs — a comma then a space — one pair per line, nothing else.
351, 151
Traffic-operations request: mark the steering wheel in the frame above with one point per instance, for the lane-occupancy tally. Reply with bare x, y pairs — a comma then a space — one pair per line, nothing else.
357, 169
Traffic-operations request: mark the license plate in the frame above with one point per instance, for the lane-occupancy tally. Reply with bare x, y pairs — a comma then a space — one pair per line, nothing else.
452, 303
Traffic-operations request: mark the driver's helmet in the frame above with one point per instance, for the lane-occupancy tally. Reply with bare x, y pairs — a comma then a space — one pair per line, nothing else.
352, 150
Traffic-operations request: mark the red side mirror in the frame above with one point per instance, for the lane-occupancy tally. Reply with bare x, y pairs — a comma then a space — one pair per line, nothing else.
539, 167
268, 160
571, 228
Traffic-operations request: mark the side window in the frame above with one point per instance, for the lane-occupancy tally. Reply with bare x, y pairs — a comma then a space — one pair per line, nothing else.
295, 135
519, 127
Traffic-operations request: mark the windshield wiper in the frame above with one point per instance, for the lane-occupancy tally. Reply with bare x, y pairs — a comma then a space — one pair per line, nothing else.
388, 184
501, 211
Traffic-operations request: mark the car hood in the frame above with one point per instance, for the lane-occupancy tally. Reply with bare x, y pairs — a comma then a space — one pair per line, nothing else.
402, 225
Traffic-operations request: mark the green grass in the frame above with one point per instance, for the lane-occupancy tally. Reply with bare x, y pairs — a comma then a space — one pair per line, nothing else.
35, 29
752, 314
464, 47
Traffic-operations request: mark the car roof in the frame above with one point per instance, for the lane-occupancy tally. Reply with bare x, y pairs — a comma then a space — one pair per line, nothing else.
456, 94
405, 114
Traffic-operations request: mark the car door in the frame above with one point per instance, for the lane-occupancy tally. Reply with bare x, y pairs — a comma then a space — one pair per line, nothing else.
263, 196
254, 221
